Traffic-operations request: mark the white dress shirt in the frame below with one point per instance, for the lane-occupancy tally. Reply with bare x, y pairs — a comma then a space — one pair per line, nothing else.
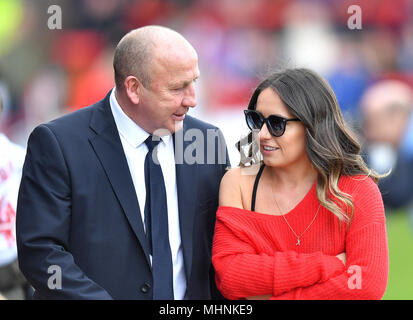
133, 141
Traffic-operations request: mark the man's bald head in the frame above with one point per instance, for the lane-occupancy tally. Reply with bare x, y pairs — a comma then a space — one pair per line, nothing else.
136, 51
385, 108
387, 94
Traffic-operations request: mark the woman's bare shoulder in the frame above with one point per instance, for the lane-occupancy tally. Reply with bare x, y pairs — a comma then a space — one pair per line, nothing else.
234, 183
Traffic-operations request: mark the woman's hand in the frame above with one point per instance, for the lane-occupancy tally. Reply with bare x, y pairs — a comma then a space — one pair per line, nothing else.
342, 257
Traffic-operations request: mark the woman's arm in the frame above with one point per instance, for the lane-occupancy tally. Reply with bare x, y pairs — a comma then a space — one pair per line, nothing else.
365, 275
242, 272
367, 266
341, 256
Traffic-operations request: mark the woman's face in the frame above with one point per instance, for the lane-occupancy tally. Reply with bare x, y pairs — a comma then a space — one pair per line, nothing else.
288, 149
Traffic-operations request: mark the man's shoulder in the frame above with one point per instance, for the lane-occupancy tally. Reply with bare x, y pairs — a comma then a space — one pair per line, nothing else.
74, 119
192, 122
75, 122
70, 128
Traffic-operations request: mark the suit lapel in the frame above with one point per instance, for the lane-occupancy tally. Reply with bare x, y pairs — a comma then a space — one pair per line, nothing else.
109, 150
186, 181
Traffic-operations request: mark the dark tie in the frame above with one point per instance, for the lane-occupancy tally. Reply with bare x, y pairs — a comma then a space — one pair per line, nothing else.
156, 223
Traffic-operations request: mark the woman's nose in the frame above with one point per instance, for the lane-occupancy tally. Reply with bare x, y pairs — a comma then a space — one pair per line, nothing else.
264, 134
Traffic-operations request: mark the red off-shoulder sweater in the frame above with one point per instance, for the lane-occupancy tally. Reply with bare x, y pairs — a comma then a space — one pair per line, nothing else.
256, 254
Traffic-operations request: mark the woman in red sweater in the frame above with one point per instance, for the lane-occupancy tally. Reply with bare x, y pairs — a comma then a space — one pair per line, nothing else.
307, 221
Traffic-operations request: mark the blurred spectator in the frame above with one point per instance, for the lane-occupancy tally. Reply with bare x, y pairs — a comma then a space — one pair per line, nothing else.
240, 41
4, 101
12, 283
309, 39
388, 129
88, 66
350, 78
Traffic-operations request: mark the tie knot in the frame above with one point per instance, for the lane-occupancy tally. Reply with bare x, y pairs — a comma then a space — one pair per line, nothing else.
151, 143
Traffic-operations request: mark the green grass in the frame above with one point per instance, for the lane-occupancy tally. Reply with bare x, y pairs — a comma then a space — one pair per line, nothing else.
400, 236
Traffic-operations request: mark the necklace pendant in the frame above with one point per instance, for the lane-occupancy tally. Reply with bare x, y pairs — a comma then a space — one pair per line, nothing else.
298, 242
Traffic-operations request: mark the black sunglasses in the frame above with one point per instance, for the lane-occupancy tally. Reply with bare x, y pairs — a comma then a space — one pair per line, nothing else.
275, 124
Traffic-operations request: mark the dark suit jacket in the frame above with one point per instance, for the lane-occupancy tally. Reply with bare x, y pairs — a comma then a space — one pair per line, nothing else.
397, 188
78, 212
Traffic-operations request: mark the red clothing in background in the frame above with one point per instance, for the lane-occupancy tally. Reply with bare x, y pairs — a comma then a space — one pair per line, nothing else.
256, 254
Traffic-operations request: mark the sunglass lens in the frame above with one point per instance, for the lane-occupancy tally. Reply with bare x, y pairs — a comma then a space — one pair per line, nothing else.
254, 120
277, 125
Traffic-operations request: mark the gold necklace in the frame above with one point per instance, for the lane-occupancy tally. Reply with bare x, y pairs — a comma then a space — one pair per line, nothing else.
285, 219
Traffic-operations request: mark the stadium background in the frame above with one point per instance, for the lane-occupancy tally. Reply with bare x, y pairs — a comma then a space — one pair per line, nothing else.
45, 73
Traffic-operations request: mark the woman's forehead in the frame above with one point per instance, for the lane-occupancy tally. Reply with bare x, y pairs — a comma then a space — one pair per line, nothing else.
269, 102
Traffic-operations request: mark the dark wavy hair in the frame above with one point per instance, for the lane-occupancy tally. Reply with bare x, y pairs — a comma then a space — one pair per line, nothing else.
330, 145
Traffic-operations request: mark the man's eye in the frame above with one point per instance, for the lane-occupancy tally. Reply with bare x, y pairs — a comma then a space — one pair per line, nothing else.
184, 86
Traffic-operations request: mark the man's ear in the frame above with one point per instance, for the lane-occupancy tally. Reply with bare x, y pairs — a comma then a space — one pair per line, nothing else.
133, 89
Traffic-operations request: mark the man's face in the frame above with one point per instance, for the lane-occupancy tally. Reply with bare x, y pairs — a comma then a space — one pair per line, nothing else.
385, 125
164, 103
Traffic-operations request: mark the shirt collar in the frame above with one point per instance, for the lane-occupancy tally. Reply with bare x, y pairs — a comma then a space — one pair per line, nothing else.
128, 128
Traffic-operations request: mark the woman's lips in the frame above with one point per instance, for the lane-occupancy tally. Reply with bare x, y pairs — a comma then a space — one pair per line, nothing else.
268, 149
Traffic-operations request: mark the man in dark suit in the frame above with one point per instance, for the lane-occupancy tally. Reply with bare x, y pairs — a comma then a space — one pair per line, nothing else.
100, 215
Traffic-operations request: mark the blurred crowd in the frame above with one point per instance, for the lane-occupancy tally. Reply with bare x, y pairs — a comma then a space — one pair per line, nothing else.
45, 73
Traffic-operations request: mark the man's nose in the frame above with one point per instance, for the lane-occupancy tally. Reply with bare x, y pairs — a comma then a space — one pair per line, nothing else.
189, 99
